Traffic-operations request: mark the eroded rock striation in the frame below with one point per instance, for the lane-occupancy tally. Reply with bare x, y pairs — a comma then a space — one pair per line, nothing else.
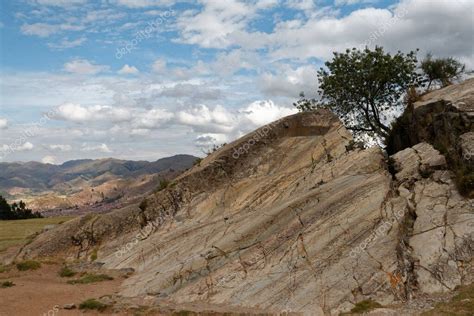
289, 218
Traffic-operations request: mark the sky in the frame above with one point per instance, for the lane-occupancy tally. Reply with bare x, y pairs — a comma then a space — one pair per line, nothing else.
146, 79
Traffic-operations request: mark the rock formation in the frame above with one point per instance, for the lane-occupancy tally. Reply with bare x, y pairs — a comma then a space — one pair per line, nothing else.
292, 218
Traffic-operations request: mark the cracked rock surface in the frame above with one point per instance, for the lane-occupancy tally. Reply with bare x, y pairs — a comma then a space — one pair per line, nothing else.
287, 218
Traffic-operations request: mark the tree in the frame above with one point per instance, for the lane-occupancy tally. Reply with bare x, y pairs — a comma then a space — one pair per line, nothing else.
363, 87
5, 209
305, 105
16, 211
441, 70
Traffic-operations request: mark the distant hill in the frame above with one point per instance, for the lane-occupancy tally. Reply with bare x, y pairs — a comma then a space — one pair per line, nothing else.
85, 182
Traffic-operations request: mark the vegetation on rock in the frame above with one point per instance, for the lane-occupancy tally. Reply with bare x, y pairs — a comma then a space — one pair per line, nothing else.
441, 70
363, 87
28, 265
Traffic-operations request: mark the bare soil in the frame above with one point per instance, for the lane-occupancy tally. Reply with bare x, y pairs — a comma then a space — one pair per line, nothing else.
39, 292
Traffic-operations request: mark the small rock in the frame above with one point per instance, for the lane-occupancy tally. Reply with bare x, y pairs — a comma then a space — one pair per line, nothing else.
69, 306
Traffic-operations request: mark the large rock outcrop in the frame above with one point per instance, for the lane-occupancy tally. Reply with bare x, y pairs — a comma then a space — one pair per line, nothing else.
445, 119
288, 218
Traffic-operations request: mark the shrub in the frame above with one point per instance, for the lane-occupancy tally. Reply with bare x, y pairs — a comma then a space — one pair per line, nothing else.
365, 306
163, 185
6, 284
93, 256
92, 304
66, 272
28, 265
441, 70
91, 278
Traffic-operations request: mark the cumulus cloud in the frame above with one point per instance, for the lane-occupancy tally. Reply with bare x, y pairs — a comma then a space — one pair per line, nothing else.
290, 82
3, 123
265, 111
84, 67
128, 70
60, 147
191, 91
213, 26
78, 113
103, 148
159, 66
49, 159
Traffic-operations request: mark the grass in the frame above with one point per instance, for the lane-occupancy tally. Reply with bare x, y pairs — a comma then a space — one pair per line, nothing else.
3, 268
91, 278
363, 307
28, 265
6, 284
462, 304
93, 256
18, 232
92, 304
66, 272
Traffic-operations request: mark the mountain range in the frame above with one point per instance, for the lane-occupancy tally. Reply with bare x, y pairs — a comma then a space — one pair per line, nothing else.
85, 182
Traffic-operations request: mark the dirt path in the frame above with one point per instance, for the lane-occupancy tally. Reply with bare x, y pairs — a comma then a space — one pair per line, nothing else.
36, 293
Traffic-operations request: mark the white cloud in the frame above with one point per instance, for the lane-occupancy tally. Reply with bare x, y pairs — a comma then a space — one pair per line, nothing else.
290, 82
265, 111
39, 29
159, 66
103, 148
213, 26
65, 43
25, 146
49, 159
60, 3
60, 147
143, 3
203, 118
78, 113
84, 67
128, 70
3, 123
151, 119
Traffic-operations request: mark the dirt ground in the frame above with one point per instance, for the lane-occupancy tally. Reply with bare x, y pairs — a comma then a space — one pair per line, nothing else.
38, 292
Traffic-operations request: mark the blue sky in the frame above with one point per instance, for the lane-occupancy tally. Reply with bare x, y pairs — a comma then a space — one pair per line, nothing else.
146, 79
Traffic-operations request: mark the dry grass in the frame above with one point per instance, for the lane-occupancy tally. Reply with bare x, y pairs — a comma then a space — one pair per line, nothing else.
17, 232
462, 304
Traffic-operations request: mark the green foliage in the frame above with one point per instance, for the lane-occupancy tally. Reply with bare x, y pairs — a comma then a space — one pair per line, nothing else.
93, 256
197, 162
163, 184
362, 87
16, 211
441, 70
365, 306
306, 105
91, 278
6, 284
66, 272
28, 265
143, 204
92, 304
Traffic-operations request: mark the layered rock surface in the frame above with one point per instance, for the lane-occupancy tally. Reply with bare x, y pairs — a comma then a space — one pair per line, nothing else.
288, 218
